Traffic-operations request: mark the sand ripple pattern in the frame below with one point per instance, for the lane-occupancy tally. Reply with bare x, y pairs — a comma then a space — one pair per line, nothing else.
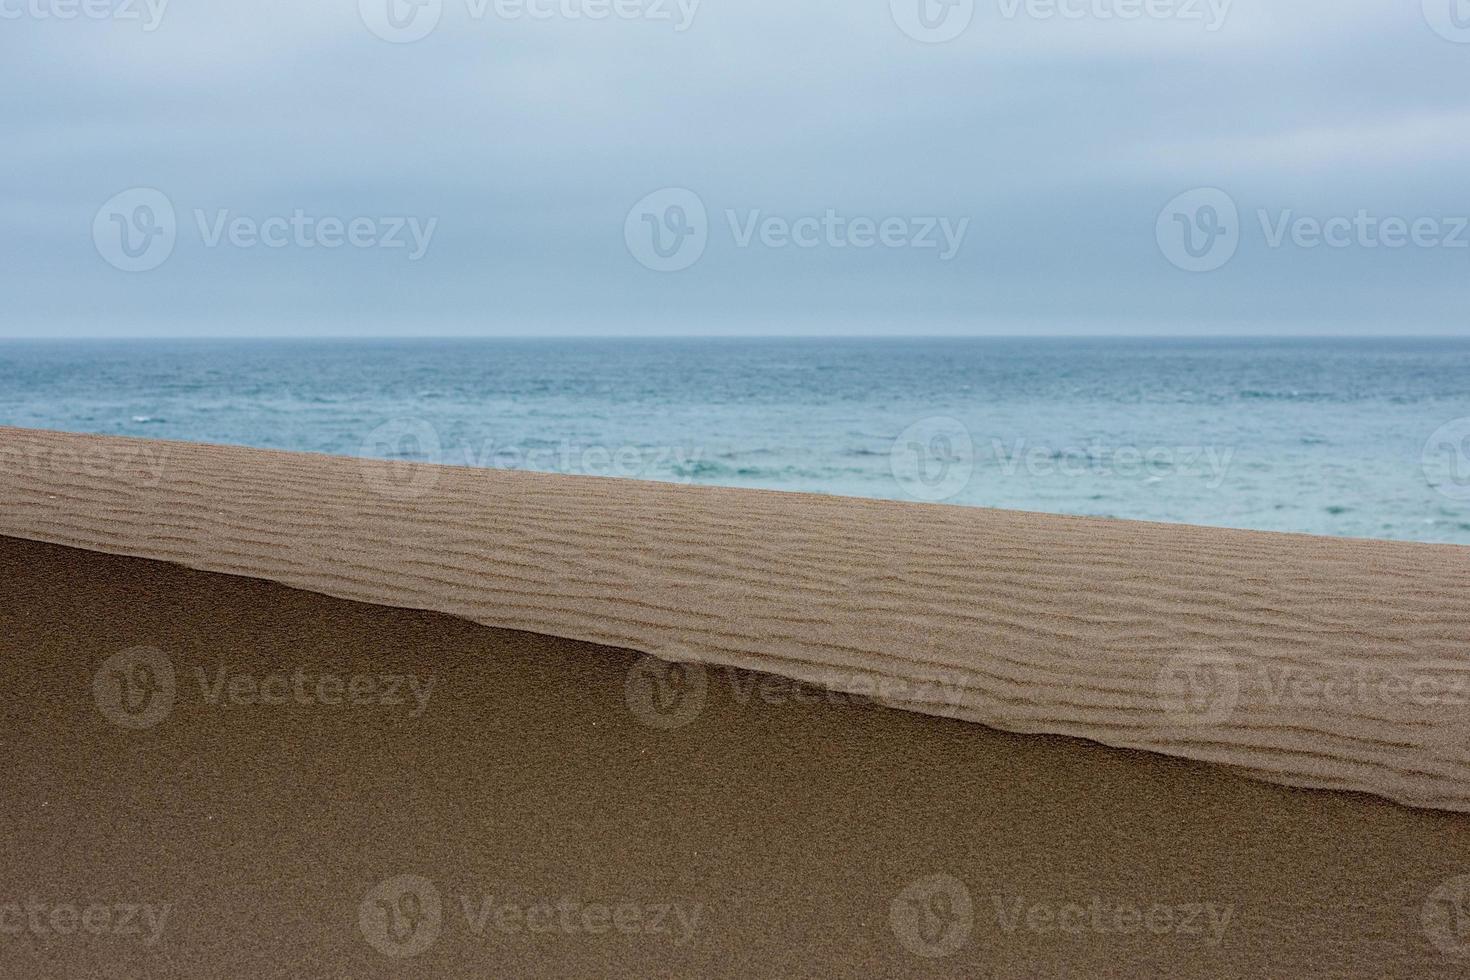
1313, 662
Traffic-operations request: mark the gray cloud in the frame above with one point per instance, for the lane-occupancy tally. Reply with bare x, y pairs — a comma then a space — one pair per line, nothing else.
529, 140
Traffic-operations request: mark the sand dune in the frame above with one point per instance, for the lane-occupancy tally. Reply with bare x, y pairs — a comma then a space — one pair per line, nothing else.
1307, 661
749, 832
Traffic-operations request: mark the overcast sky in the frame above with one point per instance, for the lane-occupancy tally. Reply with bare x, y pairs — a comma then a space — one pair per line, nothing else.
335, 167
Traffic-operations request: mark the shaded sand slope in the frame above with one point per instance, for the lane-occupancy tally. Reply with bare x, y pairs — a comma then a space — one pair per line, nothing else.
1307, 661
767, 835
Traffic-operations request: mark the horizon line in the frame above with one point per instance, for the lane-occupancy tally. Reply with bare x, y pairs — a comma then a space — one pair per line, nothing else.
726, 336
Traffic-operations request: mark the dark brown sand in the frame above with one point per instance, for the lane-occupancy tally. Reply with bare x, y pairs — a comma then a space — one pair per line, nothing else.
776, 833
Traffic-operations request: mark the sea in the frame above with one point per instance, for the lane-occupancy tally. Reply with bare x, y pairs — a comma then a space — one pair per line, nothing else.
1355, 437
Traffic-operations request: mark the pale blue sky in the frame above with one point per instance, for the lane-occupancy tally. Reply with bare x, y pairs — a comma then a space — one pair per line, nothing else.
517, 147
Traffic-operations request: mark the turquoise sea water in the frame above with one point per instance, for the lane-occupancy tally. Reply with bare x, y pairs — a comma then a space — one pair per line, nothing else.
1369, 438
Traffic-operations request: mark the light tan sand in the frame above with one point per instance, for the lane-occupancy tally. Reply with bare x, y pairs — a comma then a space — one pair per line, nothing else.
1307, 661
768, 835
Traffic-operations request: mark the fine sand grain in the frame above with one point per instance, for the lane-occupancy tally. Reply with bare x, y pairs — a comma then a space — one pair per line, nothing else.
1306, 661
554, 808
